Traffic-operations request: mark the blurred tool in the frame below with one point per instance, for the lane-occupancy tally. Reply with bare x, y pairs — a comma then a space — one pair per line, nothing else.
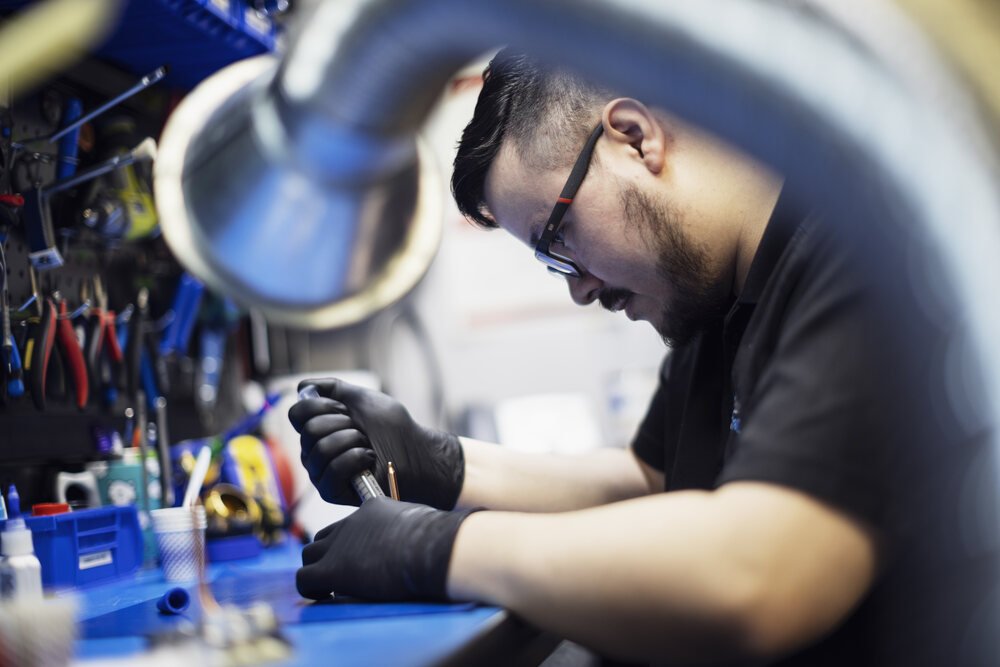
49, 36
197, 476
259, 343
364, 484
187, 301
69, 139
163, 453
104, 353
251, 422
41, 338
72, 355
123, 200
37, 216
142, 424
74, 123
248, 464
234, 524
11, 358
134, 344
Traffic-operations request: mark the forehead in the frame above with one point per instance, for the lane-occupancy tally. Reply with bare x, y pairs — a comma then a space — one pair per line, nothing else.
520, 198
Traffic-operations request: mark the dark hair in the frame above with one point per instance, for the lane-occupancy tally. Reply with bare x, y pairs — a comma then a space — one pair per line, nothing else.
546, 113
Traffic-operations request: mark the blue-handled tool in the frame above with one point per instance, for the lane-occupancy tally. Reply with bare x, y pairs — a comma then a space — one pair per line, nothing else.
187, 302
12, 369
68, 143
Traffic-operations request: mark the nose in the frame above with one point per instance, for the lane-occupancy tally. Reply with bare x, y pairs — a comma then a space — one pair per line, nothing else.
584, 289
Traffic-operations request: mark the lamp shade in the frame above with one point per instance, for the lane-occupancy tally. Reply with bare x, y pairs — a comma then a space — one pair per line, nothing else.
255, 224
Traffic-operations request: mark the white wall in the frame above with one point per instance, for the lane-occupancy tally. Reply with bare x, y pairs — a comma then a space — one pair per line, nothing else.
503, 327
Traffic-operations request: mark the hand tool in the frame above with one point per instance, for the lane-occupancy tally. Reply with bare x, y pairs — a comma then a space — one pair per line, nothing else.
364, 484
40, 351
40, 337
104, 353
163, 452
145, 82
37, 214
134, 344
69, 346
69, 138
187, 301
14, 384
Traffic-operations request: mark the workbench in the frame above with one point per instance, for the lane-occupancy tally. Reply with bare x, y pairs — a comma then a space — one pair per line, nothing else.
117, 619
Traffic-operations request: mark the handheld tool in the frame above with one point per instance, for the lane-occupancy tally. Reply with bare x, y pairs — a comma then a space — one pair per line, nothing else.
39, 351
145, 82
134, 345
187, 301
14, 383
104, 353
364, 484
72, 355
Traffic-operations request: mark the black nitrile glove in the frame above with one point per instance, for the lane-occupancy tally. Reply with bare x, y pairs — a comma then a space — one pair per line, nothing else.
351, 429
387, 550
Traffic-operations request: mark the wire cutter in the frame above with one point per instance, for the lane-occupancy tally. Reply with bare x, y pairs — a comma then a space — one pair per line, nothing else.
102, 340
72, 355
38, 349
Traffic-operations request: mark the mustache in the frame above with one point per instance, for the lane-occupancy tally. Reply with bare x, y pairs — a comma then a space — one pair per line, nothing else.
609, 296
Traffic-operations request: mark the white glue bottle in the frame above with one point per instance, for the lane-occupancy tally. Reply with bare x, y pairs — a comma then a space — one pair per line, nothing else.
20, 571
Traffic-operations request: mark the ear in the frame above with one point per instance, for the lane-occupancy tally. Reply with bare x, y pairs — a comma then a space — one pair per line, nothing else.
630, 122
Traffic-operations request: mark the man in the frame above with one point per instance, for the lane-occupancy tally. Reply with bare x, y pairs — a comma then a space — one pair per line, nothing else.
820, 501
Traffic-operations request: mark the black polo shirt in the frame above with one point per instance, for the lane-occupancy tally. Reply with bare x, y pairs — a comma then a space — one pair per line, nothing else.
832, 376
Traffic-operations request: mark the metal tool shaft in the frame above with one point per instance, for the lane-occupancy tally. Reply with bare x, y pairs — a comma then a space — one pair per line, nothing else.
365, 484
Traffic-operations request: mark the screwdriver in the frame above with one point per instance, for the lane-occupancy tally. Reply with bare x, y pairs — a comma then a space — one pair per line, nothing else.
364, 484
11, 357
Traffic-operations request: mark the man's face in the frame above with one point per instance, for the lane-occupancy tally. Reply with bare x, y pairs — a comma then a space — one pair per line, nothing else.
637, 252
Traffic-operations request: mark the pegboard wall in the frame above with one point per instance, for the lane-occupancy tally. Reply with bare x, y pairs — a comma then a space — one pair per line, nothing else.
125, 256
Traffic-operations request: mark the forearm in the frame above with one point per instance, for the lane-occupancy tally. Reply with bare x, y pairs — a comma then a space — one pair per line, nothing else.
679, 577
503, 479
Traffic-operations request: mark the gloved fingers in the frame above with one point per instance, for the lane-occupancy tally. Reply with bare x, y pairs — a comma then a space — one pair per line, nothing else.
302, 411
323, 533
323, 425
334, 482
314, 582
351, 395
314, 552
317, 456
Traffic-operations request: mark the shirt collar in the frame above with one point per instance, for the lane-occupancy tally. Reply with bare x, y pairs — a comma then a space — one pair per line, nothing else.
785, 219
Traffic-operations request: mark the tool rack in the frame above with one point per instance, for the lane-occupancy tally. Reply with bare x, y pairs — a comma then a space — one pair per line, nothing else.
194, 38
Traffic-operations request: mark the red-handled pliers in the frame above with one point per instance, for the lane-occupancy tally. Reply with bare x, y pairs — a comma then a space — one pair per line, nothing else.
72, 355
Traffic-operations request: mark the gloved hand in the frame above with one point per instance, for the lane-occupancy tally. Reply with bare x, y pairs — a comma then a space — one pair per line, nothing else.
350, 429
387, 550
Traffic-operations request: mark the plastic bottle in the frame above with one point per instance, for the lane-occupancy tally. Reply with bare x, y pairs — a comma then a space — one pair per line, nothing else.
20, 571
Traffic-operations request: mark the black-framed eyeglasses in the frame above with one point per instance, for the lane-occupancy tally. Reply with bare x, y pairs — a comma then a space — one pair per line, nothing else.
555, 262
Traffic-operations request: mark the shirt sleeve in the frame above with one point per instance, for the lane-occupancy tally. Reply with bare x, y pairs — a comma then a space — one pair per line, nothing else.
826, 413
658, 436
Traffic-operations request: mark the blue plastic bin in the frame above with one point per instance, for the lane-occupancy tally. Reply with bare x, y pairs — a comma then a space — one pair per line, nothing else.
86, 546
194, 37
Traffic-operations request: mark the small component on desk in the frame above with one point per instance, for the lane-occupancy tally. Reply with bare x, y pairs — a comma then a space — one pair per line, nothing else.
174, 601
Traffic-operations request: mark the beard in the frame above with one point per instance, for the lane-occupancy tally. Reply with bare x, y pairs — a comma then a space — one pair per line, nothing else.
698, 297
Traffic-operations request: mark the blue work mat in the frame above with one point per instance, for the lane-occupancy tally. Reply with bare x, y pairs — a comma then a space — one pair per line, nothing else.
241, 588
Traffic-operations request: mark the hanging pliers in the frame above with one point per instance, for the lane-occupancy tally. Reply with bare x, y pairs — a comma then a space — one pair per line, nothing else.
41, 338
102, 340
72, 355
